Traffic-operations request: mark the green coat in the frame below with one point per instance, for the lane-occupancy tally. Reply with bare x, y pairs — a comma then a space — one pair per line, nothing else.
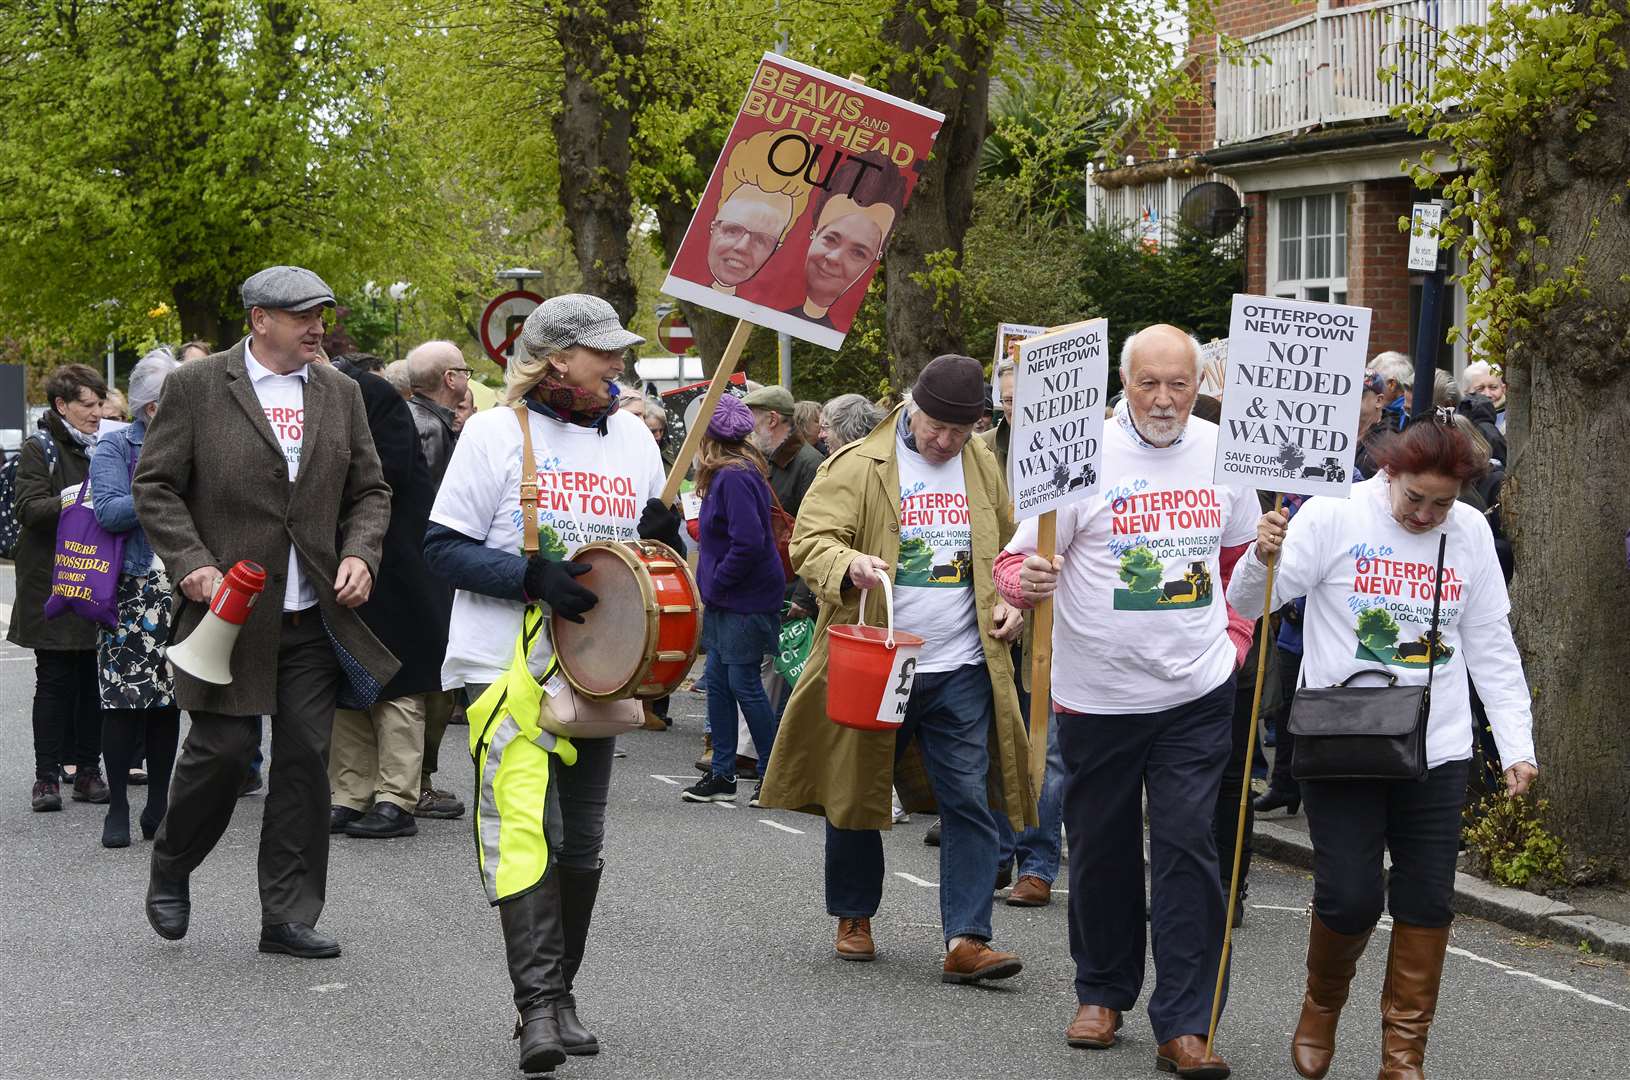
820, 767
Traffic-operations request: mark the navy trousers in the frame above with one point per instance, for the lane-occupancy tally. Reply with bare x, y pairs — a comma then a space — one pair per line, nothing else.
1178, 756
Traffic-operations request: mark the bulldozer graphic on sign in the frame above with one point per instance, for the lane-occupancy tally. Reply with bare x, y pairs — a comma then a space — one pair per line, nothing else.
1192, 588
958, 570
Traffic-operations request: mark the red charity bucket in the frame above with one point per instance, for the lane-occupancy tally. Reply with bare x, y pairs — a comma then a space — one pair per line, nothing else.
859, 660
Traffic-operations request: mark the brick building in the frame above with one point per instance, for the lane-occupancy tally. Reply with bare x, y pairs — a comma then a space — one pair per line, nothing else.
1299, 124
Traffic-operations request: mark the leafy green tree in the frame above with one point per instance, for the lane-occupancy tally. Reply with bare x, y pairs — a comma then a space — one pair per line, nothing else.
1377, 630
164, 151
916, 558
1533, 106
1141, 570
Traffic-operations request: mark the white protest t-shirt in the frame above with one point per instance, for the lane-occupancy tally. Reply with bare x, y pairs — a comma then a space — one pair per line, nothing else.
933, 578
283, 400
1368, 583
590, 487
1139, 622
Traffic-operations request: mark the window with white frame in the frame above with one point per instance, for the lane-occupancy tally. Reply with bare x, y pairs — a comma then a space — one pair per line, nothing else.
1308, 247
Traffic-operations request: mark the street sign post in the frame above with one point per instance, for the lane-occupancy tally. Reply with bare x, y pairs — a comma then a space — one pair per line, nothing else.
502, 321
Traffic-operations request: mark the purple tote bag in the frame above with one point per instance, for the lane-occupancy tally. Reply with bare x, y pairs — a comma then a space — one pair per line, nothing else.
85, 574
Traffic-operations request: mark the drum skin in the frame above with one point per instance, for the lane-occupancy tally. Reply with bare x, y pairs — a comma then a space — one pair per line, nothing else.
640, 639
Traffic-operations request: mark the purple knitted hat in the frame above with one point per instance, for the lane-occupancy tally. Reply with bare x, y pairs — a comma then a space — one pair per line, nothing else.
732, 421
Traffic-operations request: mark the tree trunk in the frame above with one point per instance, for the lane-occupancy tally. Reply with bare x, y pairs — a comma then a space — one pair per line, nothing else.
599, 42
206, 314
1569, 429
924, 318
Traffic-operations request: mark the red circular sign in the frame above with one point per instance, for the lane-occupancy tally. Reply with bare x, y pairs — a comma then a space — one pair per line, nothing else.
674, 333
502, 321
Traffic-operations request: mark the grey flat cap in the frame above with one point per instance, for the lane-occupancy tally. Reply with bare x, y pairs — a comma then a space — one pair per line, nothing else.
775, 398
575, 319
286, 288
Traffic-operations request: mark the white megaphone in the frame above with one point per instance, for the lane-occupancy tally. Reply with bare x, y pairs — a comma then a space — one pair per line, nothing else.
206, 655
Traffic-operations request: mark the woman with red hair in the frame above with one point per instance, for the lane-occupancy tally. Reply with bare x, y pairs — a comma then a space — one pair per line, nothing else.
1368, 566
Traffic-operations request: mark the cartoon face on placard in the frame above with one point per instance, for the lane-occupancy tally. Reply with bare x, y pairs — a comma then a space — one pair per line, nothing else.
813, 180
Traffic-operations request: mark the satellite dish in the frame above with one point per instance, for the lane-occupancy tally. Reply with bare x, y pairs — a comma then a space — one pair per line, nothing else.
1212, 209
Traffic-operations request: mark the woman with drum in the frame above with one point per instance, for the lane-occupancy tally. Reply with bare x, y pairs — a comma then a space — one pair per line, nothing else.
1367, 566
742, 582
593, 476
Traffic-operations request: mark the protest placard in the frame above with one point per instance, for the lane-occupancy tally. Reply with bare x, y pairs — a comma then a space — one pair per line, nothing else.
1058, 426
812, 180
1213, 366
1008, 336
1291, 397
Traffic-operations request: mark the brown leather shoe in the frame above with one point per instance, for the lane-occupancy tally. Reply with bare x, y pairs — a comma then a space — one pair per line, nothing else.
1186, 1056
855, 940
1331, 960
1409, 998
1030, 891
1093, 1028
975, 961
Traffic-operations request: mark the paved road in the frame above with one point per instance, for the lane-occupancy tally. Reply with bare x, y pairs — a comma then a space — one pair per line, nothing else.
711, 957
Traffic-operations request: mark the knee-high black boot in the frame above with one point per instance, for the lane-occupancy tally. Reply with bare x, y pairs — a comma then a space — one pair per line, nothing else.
533, 944
578, 890
119, 728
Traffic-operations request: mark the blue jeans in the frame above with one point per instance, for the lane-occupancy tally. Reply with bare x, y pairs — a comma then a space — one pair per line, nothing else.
950, 717
1038, 849
736, 645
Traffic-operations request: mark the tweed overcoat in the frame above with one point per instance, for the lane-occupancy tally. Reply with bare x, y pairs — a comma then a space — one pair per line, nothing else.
820, 767
212, 487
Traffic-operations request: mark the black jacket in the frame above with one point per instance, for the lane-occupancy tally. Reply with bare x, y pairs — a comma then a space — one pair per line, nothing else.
39, 504
1480, 411
409, 608
434, 425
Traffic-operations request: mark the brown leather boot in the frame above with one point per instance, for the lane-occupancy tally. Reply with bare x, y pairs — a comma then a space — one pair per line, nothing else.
975, 961
1409, 998
1093, 1028
1331, 961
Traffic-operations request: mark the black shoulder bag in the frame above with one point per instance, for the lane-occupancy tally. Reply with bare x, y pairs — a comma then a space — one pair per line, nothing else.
1346, 732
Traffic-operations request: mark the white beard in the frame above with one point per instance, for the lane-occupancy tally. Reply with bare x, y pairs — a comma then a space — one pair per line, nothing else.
766, 444
1159, 431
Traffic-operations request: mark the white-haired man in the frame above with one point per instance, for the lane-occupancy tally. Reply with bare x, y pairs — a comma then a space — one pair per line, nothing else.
1481, 378
1397, 373
1143, 695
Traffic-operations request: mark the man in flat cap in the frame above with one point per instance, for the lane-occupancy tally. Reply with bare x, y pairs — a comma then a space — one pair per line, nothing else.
259, 454
919, 503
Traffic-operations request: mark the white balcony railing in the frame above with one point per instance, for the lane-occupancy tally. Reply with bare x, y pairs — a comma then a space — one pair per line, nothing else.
1147, 208
1328, 66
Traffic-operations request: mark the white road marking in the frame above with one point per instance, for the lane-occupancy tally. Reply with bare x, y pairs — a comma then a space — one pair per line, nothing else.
915, 880
328, 988
1518, 973
778, 825
1550, 984
666, 779
725, 805
5, 614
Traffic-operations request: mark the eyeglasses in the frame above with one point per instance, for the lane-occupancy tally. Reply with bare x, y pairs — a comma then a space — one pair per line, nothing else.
461, 370
733, 234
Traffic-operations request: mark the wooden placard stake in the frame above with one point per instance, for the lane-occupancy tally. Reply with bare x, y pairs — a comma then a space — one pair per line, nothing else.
1244, 794
1041, 658
715, 389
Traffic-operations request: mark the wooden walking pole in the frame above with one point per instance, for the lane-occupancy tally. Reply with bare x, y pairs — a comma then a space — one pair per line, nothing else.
1041, 658
693, 435
1244, 794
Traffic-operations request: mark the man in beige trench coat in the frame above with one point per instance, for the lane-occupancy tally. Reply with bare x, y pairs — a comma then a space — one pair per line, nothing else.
919, 500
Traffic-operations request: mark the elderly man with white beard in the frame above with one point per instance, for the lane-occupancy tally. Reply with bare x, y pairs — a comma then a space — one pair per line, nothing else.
1143, 697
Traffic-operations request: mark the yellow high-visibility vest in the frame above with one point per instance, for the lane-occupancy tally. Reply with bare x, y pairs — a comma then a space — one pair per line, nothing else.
511, 753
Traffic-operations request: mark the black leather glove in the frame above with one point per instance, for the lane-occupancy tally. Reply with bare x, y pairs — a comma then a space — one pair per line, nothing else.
660, 522
551, 582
